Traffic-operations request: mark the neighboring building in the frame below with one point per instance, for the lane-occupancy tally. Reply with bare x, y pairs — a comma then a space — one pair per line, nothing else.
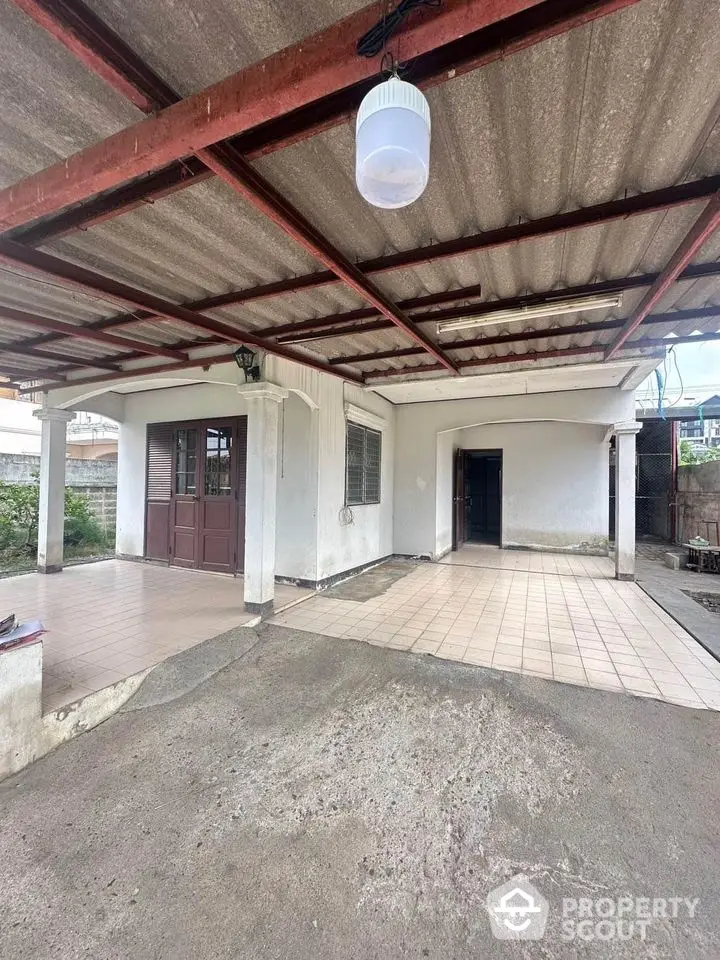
704, 430
89, 437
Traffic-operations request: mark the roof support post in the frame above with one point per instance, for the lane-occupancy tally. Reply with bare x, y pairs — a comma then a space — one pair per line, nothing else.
263, 400
625, 498
51, 517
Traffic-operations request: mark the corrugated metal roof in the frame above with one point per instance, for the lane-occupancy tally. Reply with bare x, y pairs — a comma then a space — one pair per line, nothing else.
626, 104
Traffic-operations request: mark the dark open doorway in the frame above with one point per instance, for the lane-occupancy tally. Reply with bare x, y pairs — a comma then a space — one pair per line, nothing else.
477, 497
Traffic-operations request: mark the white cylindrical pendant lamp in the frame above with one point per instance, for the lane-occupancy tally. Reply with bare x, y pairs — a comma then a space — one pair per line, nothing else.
392, 157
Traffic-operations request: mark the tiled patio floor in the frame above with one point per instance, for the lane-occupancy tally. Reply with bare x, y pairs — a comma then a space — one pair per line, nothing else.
578, 628
577, 565
109, 620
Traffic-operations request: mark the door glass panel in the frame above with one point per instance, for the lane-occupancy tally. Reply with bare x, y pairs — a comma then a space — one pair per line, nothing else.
218, 448
186, 462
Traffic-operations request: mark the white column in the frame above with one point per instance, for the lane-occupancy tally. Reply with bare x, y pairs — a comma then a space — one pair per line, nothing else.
51, 521
263, 401
625, 498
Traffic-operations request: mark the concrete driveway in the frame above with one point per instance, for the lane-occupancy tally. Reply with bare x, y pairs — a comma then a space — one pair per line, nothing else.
323, 799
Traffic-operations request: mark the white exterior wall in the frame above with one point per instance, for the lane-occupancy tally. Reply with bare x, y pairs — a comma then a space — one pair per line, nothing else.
555, 473
312, 541
555, 483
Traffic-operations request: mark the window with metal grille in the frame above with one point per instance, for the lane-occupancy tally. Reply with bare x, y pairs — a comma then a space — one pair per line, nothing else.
363, 448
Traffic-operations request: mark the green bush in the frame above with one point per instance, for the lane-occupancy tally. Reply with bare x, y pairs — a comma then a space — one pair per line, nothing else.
83, 531
19, 512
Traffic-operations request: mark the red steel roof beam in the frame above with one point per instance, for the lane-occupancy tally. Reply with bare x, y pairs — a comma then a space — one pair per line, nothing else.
703, 228
651, 202
234, 170
83, 333
73, 275
292, 78
549, 333
138, 371
254, 188
20, 350
474, 50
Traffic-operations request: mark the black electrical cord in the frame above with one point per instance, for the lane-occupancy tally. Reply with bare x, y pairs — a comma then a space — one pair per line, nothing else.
375, 39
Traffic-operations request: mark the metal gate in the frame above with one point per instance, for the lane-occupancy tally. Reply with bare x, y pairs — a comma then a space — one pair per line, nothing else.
654, 481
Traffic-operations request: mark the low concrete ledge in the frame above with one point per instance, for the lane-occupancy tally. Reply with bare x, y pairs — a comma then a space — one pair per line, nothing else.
25, 734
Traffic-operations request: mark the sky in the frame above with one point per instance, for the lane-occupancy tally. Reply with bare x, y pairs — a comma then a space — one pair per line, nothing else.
698, 378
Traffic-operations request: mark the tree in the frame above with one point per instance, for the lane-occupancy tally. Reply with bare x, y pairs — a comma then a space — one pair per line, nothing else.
689, 456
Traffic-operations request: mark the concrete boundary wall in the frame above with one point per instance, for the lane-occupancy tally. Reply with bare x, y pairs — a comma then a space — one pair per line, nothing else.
698, 500
94, 479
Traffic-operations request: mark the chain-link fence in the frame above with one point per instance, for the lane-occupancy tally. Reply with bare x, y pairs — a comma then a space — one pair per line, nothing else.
654, 482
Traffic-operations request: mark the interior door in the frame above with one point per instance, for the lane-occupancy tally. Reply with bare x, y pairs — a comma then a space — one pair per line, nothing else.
459, 513
483, 481
217, 503
184, 501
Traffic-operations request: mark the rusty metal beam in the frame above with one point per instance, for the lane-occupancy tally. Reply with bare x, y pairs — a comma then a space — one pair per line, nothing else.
254, 188
595, 348
486, 361
701, 231
79, 332
82, 35
193, 363
288, 80
103, 46
542, 21
548, 333
20, 350
17, 377
308, 329
73, 275
650, 202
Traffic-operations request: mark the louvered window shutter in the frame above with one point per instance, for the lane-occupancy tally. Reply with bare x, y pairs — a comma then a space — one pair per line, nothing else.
159, 461
159, 490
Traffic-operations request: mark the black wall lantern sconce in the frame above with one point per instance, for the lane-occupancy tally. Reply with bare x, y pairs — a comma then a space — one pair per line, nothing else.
245, 359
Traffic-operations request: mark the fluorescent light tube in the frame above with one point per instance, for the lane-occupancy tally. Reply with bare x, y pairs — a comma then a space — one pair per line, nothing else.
571, 305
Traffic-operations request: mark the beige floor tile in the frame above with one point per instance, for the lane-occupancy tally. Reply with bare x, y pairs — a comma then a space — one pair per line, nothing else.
566, 659
640, 686
453, 651
507, 660
542, 664
425, 646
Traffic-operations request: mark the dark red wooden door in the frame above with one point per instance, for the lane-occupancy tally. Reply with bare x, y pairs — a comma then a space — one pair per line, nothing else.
217, 503
184, 504
195, 515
